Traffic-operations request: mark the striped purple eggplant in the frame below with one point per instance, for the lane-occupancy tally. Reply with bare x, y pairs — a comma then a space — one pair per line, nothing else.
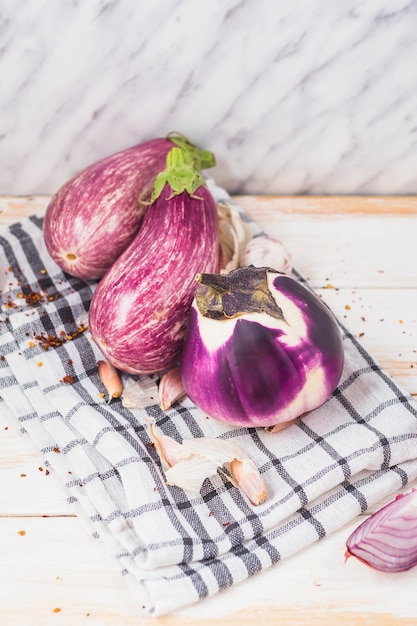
139, 311
260, 350
93, 217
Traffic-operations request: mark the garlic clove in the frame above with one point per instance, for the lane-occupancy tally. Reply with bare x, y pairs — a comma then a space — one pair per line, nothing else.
249, 480
266, 251
168, 449
111, 379
171, 388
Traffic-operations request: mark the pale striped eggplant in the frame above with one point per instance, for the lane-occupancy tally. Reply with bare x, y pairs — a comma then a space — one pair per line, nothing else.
94, 216
139, 311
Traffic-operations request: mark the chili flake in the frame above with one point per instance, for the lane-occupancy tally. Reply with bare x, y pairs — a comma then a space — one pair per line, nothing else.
34, 297
49, 341
69, 380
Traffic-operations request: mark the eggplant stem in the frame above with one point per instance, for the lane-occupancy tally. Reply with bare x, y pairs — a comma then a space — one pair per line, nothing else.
180, 174
243, 290
203, 158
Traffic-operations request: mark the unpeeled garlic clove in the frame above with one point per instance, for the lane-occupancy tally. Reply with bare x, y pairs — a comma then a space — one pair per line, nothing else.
249, 480
171, 388
111, 379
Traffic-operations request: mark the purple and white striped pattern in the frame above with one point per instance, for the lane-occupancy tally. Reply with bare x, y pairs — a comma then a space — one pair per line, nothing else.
93, 217
139, 311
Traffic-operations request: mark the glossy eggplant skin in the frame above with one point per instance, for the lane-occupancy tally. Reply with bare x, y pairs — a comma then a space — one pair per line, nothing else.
253, 370
139, 311
93, 217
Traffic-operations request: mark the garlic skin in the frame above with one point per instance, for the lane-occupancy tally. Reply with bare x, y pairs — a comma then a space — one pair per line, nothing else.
139, 393
266, 251
111, 379
188, 464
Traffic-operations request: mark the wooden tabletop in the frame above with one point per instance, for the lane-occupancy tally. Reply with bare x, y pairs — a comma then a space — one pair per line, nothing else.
360, 255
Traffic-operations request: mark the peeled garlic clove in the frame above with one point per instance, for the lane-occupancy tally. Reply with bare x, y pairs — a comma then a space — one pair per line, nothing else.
266, 251
249, 480
171, 388
111, 380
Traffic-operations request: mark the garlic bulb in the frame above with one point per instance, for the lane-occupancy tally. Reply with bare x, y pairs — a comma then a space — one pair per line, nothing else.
234, 235
266, 251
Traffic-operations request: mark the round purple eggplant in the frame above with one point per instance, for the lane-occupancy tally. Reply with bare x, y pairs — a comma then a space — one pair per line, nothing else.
260, 349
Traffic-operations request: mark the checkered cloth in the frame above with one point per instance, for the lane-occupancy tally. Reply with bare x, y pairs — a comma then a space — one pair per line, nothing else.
179, 547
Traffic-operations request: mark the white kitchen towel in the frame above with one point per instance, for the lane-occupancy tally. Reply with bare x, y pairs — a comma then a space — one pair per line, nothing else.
179, 547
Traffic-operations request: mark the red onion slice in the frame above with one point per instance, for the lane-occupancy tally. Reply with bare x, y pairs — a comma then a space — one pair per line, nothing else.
387, 540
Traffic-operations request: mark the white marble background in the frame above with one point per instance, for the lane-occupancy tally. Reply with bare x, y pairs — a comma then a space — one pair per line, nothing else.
294, 97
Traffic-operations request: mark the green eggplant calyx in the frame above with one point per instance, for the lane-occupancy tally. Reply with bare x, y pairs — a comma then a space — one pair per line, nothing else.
244, 290
180, 174
203, 159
